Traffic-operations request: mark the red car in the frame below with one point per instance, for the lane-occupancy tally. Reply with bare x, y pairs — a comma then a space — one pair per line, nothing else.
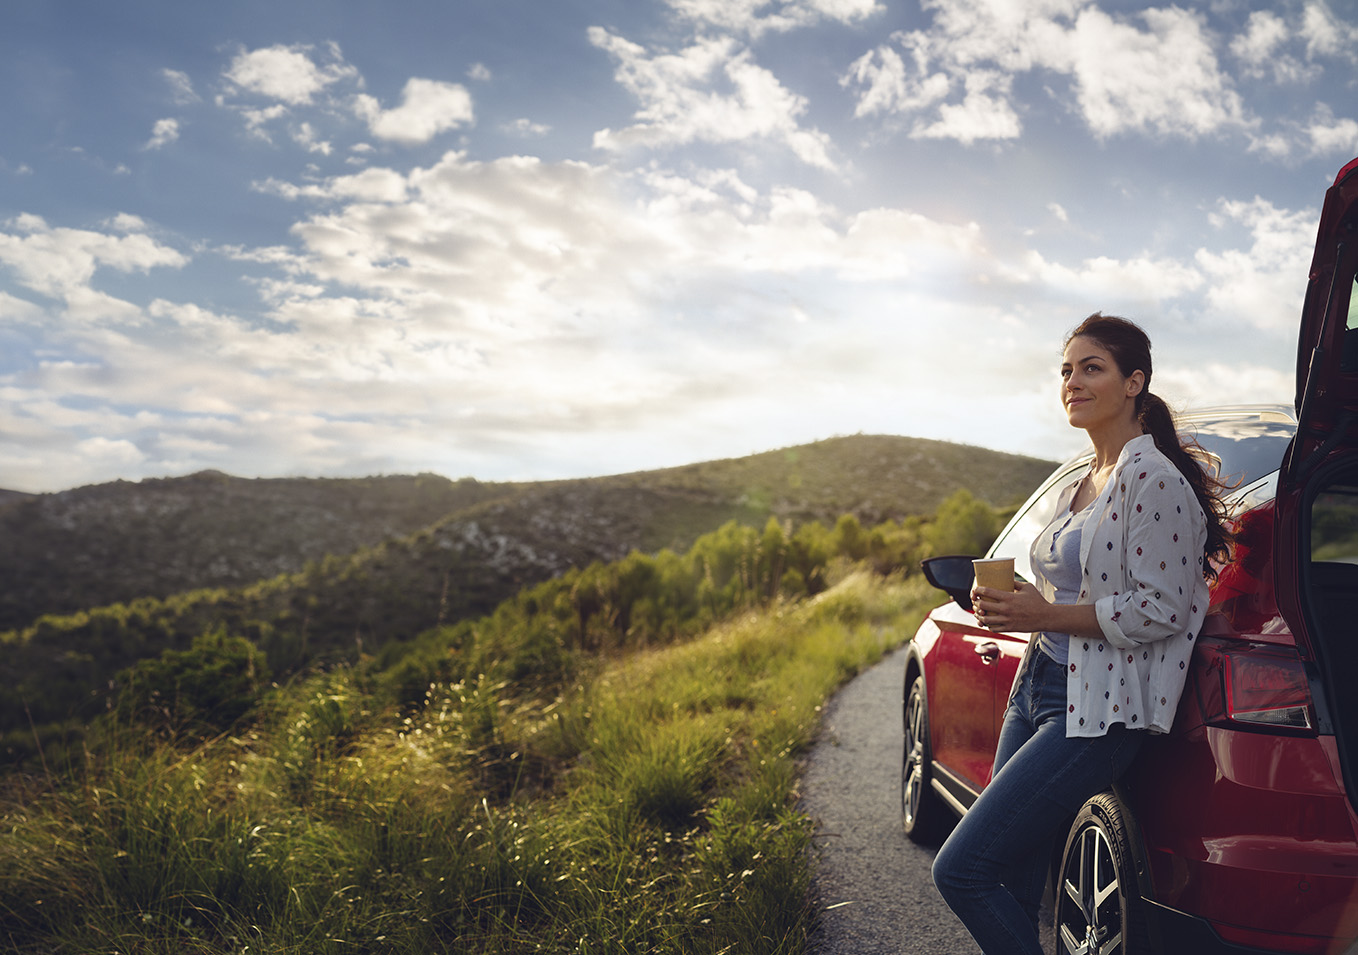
1238, 830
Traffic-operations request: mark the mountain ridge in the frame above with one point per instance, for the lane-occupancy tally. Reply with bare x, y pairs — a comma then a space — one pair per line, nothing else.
116, 542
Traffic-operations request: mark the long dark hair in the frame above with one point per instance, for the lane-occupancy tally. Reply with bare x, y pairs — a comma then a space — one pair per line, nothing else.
1131, 350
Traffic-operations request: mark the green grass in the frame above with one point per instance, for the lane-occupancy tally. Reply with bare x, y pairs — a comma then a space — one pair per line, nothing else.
650, 808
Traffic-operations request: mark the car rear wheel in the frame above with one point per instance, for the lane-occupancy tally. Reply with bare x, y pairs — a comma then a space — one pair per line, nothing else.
923, 814
1098, 907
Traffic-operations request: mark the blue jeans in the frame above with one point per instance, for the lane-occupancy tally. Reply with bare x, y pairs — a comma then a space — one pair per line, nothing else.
992, 869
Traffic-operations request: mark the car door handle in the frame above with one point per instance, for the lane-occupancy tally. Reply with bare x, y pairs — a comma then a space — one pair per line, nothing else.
989, 651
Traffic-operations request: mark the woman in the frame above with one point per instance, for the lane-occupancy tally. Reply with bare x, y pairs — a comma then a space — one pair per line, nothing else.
1121, 593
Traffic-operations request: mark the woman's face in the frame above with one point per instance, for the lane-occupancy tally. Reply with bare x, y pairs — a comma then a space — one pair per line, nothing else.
1093, 390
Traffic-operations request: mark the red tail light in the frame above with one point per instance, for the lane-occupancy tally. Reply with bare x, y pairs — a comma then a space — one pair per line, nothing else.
1255, 685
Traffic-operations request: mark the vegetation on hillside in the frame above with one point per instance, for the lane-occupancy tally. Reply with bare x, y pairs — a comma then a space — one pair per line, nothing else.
114, 543
606, 763
61, 671
477, 542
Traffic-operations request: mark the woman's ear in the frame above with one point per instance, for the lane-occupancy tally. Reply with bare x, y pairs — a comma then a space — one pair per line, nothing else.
1135, 382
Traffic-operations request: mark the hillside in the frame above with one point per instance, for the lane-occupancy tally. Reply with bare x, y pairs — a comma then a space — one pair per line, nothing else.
113, 543
456, 568
12, 497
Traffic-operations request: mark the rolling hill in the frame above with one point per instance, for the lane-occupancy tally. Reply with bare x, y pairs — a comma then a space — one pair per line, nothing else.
113, 543
308, 568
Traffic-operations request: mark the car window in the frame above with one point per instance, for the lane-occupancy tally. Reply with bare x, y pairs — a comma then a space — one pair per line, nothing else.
1334, 525
1028, 523
1331, 579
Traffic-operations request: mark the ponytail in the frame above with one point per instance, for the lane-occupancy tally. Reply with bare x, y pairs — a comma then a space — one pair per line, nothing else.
1187, 456
1131, 349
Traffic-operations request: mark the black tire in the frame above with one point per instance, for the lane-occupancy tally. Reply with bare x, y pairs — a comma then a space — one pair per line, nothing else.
1098, 905
924, 815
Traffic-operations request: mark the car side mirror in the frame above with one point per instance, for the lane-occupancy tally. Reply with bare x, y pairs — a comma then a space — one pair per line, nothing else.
952, 575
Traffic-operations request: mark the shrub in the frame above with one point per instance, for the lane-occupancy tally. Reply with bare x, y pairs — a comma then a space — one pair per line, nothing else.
199, 691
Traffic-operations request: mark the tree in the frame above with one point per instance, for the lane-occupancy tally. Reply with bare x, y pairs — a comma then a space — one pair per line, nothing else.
963, 525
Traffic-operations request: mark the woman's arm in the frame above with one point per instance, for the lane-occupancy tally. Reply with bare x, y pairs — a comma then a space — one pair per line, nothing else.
1165, 533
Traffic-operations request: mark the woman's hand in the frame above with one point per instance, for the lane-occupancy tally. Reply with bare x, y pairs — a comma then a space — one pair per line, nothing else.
1023, 611
1027, 611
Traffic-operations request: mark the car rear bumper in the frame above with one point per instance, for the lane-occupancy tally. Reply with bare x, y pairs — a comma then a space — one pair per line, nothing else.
1179, 933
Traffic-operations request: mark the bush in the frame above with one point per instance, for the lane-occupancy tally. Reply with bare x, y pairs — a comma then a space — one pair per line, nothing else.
199, 691
963, 525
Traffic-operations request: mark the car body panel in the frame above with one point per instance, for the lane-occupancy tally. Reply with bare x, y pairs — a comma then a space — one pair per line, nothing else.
975, 683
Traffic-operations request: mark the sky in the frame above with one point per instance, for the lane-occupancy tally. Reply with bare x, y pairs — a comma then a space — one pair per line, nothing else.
537, 239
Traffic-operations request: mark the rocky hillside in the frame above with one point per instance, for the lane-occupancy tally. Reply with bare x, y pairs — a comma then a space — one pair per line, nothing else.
111, 543
475, 542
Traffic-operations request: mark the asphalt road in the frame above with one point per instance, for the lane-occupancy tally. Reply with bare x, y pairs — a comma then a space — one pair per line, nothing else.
871, 883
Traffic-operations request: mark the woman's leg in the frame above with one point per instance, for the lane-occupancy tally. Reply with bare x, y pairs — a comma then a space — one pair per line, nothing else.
1007, 834
1026, 879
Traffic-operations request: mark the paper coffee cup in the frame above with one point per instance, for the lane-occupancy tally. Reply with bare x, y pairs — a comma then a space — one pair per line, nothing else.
997, 573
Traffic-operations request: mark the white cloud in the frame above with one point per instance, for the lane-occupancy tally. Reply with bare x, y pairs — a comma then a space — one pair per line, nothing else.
1327, 35
370, 185
887, 86
1265, 32
479, 72
526, 127
88, 306
287, 73
1262, 283
756, 17
164, 132
1159, 76
1103, 279
1329, 135
181, 87
18, 310
1262, 49
985, 112
1215, 383
305, 135
1164, 80
711, 92
428, 107
117, 453
1277, 145
60, 262
257, 119
126, 222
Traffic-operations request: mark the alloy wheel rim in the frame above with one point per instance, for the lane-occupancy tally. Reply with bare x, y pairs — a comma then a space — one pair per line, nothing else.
1090, 912
914, 762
